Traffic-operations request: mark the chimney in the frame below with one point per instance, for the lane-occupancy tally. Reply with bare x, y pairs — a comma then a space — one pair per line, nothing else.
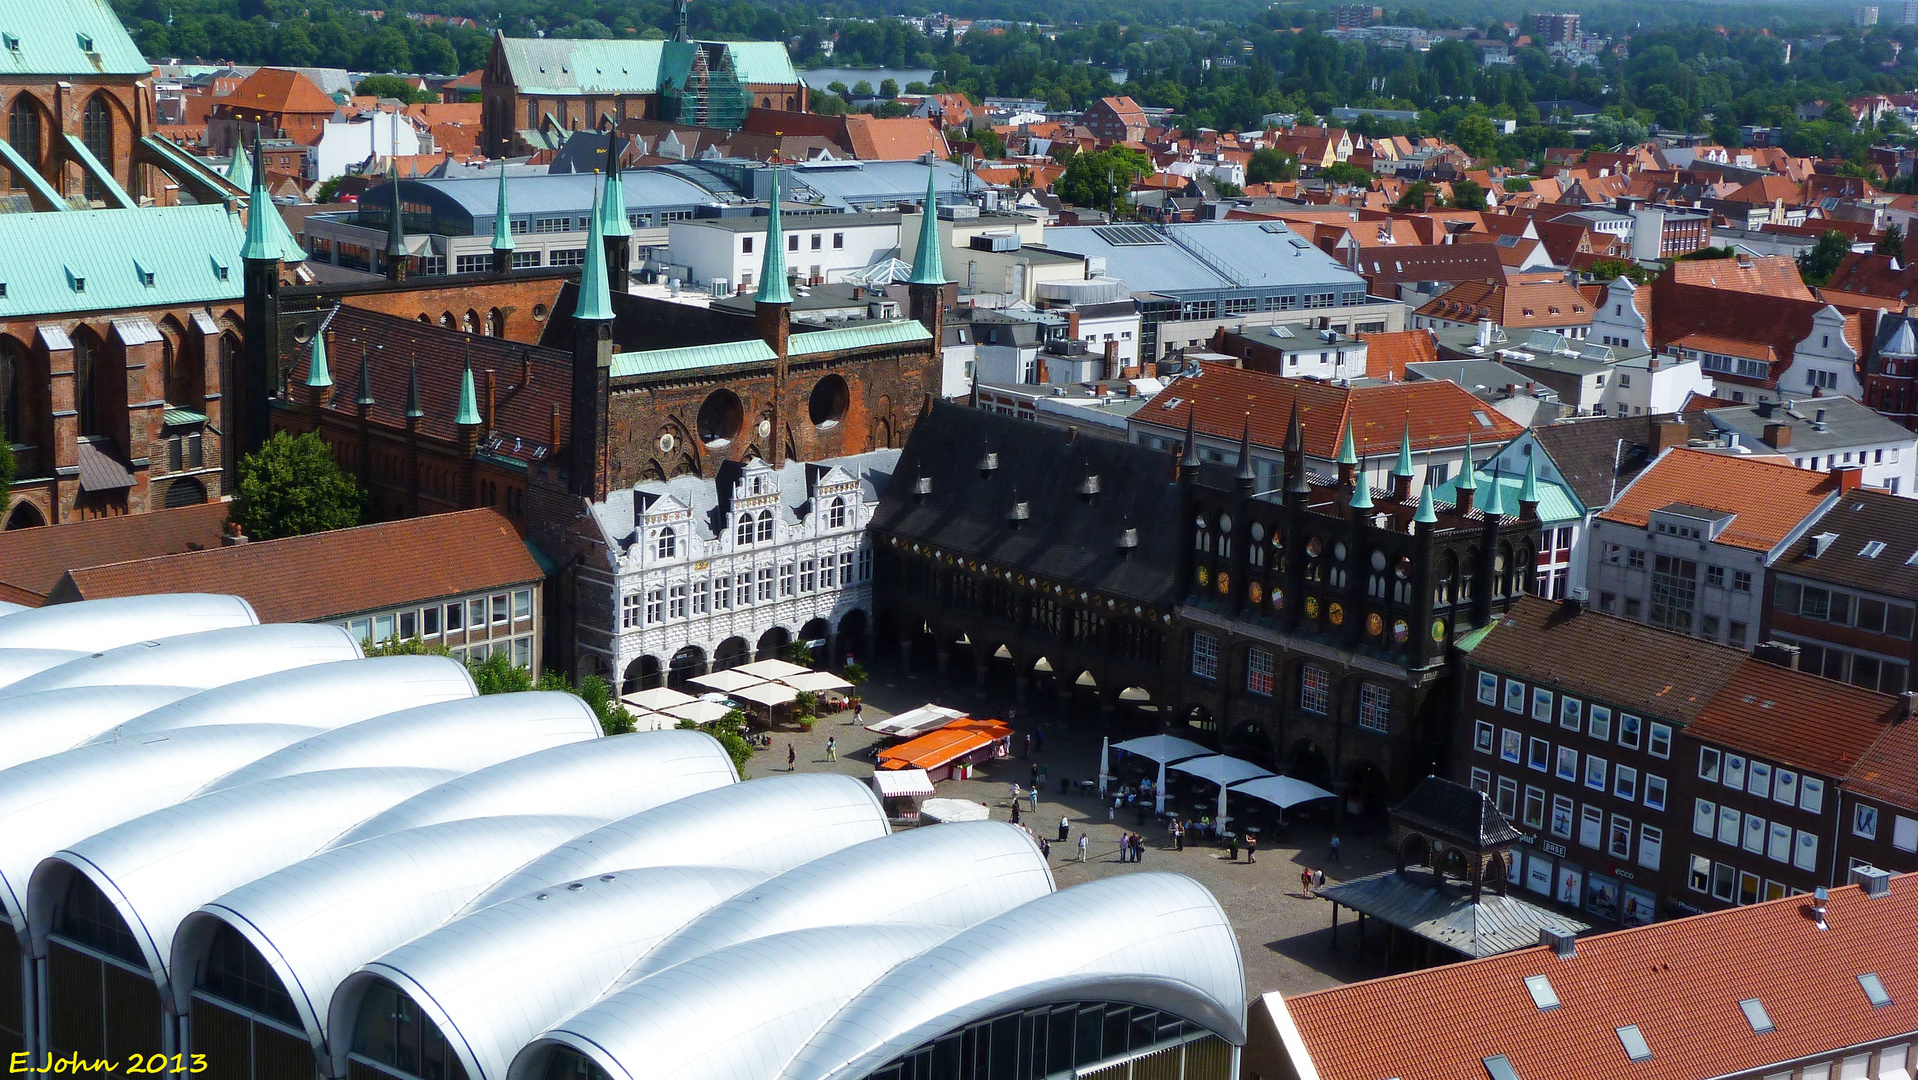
1872, 881
552, 440
1667, 434
1777, 653
1111, 366
1818, 420
1777, 436
1563, 945
1765, 408
1907, 707
525, 368
1484, 340
1575, 602
492, 398
1847, 478
234, 537
1072, 324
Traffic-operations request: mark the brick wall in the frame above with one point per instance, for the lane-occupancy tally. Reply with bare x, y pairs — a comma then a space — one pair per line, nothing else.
526, 300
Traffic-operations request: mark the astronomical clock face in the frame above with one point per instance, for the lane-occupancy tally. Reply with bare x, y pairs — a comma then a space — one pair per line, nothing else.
666, 442
1337, 614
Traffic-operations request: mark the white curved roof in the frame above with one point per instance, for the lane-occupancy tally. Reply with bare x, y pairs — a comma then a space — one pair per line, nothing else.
768, 996
458, 736
35, 725
17, 664
51, 802
7, 609
494, 979
772, 824
332, 694
1153, 939
97, 625
162, 865
317, 920
193, 659
948, 875
602, 778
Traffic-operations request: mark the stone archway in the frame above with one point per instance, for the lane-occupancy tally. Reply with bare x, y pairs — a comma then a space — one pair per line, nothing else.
25, 516
1364, 789
771, 643
731, 653
643, 673
686, 664
1308, 763
853, 629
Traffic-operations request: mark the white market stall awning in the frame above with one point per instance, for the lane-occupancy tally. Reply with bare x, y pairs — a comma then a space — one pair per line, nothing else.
659, 697
1282, 791
953, 810
699, 712
895, 783
815, 682
771, 669
647, 720
770, 693
730, 680
916, 721
1221, 769
1163, 749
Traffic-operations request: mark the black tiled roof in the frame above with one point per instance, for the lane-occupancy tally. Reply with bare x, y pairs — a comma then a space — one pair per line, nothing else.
1456, 813
1598, 457
1066, 536
1858, 519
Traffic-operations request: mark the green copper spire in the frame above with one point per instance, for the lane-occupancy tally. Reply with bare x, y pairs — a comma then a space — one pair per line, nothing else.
1495, 499
365, 395
773, 288
469, 401
1425, 515
1361, 491
241, 170
318, 375
1528, 491
502, 221
1347, 455
595, 299
929, 263
1404, 465
262, 244
613, 211
1466, 480
395, 230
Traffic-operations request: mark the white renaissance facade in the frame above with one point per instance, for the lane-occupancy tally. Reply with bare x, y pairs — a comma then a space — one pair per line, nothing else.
697, 574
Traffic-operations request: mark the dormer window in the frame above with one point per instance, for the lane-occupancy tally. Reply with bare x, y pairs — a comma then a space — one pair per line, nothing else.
666, 544
765, 531
836, 514
743, 532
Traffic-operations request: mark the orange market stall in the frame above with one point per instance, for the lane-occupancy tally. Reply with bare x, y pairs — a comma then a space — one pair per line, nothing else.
948, 752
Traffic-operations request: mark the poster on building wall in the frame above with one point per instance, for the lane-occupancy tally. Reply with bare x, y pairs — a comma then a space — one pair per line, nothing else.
1601, 897
1638, 907
1569, 879
1538, 875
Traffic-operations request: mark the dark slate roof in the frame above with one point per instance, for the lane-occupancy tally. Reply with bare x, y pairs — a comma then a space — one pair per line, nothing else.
1066, 537
1586, 451
1443, 912
1456, 813
1858, 519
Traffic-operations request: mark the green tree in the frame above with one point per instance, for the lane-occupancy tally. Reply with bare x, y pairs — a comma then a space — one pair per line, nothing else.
1817, 265
1414, 196
1269, 165
991, 146
889, 88
1102, 178
1476, 136
1227, 189
1892, 243
291, 487
862, 88
1468, 195
436, 54
294, 48
1344, 172
391, 86
730, 730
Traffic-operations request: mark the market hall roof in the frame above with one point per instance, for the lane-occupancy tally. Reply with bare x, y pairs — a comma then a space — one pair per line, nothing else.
1206, 256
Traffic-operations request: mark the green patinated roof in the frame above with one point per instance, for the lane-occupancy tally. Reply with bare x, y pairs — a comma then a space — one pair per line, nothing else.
595, 297
240, 169
928, 262
51, 33
692, 357
502, 221
1556, 503
18, 166
469, 402
101, 174
562, 66
181, 417
856, 337
773, 286
181, 246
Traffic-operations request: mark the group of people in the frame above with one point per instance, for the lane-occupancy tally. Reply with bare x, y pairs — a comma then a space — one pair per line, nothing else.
1131, 847
1311, 879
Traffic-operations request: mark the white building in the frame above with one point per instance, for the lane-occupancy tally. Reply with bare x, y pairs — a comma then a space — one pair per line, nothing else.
725, 253
692, 575
378, 133
1825, 434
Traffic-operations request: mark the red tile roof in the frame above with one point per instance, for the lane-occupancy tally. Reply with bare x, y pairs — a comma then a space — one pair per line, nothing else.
1769, 498
1514, 306
1764, 275
903, 138
1889, 770
1387, 354
1795, 717
32, 560
1440, 413
277, 90
330, 574
1679, 982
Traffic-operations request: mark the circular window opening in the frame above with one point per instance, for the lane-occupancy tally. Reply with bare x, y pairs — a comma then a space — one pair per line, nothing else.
830, 399
719, 418
303, 333
539, 312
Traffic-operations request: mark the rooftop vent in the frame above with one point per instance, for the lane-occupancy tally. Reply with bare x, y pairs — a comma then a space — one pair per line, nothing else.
1021, 511
1562, 943
1128, 540
922, 487
1634, 1042
1820, 542
1873, 881
988, 464
1756, 1015
1540, 987
1873, 549
1089, 486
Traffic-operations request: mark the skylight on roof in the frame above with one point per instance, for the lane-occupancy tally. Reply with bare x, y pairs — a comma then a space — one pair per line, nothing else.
1634, 1042
1498, 1067
1484, 421
1756, 1015
1542, 993
1873, 549
1874, 988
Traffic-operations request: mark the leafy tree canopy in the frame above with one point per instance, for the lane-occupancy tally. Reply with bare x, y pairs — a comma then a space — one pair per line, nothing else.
291, 487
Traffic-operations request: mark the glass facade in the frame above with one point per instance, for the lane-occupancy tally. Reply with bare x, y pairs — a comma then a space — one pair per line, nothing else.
392, 1031
1040, 1042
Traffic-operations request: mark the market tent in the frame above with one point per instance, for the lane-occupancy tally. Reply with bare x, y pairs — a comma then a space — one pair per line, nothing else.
647, 720
815, 681
699, 712
1282, 791
954, 810
727, 681
771, 669
944, 746
916, 721
770, 693
897, 783
1164, 749
656, 699
1220, 769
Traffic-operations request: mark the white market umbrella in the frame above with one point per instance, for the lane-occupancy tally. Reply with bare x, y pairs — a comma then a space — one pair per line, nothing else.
770, 693
1283, 792
1165, 749
656, 699
699, 712
1105, 763
727, 680
772, 669
1158, 792
815, 681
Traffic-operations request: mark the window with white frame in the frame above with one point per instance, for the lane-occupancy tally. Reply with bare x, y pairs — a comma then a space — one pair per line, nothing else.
1507, 797
1778, 845
1563, 809
1538, 755
1483, 736
1811, 795
1704, 817
1904, 833
743, 592
836, 514
1651, 844
1600, 725
785, 579
1864, 821
1205, 655
1482, 781
1619, 842
1258, 680
828, 570
1315, 690
1735, 771
676, 602
1511, 746
1654, 791
743, 532
1595, 771
630, 611
1699, 879
1631, 731
808, 576
1784, 787
865, 566
655, 606
1707, 763
764, 532
1660, 743
1487, 688
1729, 820
666, 544
1533, 812
765, 581
1625, 783
699, 596
1514, 696
1754, 836
1541, 704
1567, 767
723, 593
1375, 707
1570, 714
1805, 851
1591, 826
1758, 779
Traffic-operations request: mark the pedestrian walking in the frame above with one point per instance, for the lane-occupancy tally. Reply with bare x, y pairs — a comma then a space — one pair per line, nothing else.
1028, 744
1082, 847
1065, 828
1335, 848
858, 711
1305, 882
1178, 835
1045, 849
1251, 847
1033, 796
832, 748
1138, 848
792, 758
1016, 792
1015, 811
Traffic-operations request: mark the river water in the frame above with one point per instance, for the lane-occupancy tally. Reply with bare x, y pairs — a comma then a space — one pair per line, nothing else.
820, 78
